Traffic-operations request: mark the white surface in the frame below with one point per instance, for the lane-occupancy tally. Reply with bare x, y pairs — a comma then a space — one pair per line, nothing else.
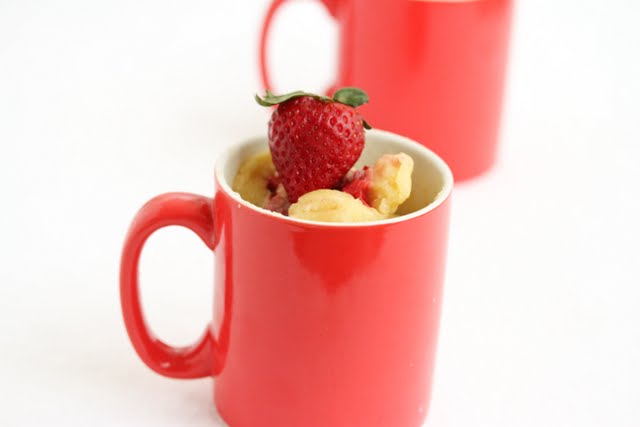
106, 103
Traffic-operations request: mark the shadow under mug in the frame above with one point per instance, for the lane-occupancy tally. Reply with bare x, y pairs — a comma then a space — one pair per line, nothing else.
315, 324
434, 70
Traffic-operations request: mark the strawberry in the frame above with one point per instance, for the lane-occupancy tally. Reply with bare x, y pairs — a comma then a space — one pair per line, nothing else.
315, 140
358, 184
277, 201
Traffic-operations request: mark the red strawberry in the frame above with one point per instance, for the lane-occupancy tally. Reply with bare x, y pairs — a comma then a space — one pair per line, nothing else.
315, 140
358, 184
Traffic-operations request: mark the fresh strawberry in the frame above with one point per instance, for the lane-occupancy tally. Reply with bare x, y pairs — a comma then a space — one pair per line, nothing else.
358, 184
315, 140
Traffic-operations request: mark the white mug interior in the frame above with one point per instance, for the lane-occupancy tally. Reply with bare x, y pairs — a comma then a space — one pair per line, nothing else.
432, 180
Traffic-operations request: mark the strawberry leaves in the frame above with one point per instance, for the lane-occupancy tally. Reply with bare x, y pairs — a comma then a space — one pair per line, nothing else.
351, 96
270, 99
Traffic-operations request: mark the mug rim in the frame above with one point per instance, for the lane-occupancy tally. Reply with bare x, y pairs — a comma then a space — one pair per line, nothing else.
440, 164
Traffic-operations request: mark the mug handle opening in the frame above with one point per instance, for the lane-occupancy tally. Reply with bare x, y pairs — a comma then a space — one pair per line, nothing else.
182, 209
331, 5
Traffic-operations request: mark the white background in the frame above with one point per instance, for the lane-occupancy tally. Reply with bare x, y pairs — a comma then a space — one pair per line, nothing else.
104, 104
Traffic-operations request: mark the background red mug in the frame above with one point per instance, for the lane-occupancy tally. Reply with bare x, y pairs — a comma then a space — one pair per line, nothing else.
315, 324
434, 70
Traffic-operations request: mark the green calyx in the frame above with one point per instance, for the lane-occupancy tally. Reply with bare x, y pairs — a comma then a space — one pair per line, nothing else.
351, 96
270, 99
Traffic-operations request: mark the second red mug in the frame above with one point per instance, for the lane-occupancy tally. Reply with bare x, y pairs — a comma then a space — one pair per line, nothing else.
434, 70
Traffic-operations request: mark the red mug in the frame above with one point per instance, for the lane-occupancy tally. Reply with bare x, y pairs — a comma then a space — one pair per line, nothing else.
315, 324
434, 70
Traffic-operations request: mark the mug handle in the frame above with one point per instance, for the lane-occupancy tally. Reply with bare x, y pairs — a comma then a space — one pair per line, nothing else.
195, 213
332, 7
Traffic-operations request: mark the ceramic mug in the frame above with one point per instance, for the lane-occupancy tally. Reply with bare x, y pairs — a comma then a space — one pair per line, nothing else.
315, 324
434, 70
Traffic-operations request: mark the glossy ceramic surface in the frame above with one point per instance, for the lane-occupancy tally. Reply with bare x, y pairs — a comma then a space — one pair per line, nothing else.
315, 324
434, 70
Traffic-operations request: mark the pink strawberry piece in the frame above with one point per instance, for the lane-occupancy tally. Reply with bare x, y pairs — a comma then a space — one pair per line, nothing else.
359, 184
273, 182
315, 140
277, 203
